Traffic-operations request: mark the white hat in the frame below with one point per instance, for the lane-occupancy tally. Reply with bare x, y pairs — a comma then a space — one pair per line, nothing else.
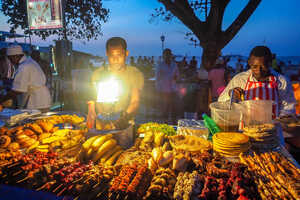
14, 50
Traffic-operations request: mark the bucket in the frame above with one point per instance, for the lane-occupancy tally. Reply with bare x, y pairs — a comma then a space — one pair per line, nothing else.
256, 112
227, 119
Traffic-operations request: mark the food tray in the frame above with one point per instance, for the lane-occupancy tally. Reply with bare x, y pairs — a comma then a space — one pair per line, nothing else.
13, 117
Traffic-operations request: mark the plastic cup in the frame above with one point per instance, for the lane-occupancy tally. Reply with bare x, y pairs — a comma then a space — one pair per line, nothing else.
256, 112
227, 119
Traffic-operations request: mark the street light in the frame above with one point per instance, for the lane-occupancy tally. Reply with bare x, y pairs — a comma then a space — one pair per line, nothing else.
162, 38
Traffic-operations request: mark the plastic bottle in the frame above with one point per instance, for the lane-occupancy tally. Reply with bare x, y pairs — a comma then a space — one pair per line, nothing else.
211, 125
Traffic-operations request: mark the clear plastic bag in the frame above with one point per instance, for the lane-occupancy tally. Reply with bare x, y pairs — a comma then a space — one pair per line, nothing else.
192, 127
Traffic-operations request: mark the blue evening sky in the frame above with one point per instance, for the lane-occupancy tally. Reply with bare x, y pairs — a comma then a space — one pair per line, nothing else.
275, 23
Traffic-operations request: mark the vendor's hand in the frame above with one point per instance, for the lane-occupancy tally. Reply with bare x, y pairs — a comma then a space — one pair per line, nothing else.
237, 93
122, 122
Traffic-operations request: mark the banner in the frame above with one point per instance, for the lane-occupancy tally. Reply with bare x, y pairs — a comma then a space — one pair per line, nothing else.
44, 14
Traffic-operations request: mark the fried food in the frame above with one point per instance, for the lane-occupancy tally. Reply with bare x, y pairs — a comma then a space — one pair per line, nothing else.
35, 127
4, 141
46, 126
14, 146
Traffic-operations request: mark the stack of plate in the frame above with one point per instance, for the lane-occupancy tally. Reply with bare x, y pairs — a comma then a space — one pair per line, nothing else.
262, 136
230, 144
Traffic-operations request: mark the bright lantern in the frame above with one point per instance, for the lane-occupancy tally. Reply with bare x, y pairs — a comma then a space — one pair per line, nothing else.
108, 91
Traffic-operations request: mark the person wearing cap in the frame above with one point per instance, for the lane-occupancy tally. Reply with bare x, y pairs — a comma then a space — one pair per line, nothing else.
129, 78
261, 82
29, 81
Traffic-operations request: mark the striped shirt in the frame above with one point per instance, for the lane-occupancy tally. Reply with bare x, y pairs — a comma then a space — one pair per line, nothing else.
286, 99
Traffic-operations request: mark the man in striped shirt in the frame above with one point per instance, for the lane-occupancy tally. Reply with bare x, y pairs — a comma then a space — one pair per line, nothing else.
261, 82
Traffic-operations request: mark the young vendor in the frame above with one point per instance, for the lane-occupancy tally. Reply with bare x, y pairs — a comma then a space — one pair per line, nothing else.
130, 78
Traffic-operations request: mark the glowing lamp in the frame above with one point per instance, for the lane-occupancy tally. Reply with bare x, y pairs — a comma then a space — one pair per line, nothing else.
108, 91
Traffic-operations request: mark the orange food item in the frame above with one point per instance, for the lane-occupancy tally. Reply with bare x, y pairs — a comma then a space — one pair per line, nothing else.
3, 130
4, 141
296, 88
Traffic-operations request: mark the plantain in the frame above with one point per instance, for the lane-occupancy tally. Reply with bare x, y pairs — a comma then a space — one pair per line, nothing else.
43, 150
113, 158
35, 145
100, 141
61, 132
89, 153
107, 146
50, 139
108, 154
45, 146
86, 145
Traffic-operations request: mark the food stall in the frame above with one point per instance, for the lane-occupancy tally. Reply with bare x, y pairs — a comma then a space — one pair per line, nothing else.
57, 153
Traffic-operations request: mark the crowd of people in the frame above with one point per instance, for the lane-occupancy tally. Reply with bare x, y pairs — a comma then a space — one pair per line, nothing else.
170, 74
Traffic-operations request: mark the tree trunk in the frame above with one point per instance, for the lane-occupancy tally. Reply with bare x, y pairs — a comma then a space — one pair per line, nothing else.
209, 56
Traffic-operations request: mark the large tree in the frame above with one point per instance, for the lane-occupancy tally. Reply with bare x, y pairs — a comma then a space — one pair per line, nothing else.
83, 18
204, 18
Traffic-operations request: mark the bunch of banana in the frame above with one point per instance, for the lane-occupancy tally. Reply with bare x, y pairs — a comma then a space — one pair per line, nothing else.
58, 141
102, 149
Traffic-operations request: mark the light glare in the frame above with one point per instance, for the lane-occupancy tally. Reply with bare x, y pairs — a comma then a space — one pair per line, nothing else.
108, 91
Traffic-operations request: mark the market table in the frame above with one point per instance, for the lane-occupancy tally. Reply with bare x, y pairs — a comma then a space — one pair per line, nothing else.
44, 154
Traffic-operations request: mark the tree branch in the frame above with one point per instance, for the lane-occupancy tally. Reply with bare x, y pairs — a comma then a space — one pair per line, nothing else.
216, 14
182, 10
244, 15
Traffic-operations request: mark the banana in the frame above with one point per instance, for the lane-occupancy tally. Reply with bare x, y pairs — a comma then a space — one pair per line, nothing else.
43, 150
61, 133
45, 146
50, 139
35, 145
113, 158
89, 153
107, 146
86, 145
108, 154
100, 141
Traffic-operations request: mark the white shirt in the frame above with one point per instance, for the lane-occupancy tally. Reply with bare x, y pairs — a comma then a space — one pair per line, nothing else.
286, 99
31, 80
165, 77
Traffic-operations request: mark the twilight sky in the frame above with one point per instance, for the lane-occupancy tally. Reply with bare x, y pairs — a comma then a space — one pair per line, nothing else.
275, 23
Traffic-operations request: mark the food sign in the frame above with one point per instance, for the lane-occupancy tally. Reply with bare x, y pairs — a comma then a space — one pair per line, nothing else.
44, 14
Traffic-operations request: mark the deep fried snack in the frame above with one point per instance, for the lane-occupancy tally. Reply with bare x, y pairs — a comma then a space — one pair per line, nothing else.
4, 141
35, 127
46, 126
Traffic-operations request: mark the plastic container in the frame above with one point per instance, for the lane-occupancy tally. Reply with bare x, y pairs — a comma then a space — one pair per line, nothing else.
228, 120
192, 127
256, 112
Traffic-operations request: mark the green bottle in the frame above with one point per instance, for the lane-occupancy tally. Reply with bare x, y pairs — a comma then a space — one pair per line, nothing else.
211, 125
